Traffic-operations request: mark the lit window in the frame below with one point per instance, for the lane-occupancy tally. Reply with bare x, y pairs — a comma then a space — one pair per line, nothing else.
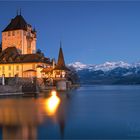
3, 67
8, 33
17, 68
63, 74
9, 67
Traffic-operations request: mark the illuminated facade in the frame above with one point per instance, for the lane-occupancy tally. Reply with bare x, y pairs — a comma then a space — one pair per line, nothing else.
19, 56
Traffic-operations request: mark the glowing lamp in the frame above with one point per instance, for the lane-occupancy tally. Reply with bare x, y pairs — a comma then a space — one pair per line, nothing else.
53, 92
52, 103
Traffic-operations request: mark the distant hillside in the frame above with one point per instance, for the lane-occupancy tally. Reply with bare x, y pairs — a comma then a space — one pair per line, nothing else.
108, 73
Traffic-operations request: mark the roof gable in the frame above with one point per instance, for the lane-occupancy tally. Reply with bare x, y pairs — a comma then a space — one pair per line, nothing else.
17, 23
61, 62
11, 55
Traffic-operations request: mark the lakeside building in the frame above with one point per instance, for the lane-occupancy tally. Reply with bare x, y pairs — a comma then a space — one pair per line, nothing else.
57, 71
19, 57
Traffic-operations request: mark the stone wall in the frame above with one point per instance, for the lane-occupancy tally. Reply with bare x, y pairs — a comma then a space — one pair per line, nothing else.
21, 84
10, 89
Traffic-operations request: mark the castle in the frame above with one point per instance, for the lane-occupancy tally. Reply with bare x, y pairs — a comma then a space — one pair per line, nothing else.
19, 57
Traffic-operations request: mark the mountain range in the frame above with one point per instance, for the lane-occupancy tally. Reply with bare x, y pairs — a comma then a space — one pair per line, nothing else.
108, 73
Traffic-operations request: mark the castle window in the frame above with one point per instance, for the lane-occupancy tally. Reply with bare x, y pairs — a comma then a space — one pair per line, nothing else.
9, 67
13, 33
17, 68
8, 33
63, 74
3, 67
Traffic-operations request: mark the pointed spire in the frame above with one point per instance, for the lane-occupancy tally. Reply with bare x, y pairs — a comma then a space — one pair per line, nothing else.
61, 61
20, 11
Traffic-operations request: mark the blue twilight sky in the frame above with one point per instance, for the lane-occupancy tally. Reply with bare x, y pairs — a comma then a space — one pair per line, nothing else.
91, 32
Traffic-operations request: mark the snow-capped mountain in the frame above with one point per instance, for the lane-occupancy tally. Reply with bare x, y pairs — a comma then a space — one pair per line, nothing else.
107, 66
78, 65
111, 65
108, 73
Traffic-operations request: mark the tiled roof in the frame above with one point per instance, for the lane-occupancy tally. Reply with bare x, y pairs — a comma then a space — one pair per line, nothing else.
17, 23
11, 55
61, 62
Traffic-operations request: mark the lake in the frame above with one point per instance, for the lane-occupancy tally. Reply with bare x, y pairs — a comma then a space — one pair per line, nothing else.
93, 112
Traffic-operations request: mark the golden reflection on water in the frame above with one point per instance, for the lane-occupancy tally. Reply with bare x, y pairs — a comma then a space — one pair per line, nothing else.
20, 117
52, 104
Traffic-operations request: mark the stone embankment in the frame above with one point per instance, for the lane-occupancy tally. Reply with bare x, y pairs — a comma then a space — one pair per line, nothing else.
18, 85
8, 90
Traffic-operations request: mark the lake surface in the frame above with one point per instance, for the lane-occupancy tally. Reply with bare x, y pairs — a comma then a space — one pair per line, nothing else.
89, 112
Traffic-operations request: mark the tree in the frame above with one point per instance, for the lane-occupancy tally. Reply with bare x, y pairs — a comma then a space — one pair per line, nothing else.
40, 52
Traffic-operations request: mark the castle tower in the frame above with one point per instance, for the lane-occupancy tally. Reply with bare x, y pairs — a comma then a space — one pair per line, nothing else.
19, 34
